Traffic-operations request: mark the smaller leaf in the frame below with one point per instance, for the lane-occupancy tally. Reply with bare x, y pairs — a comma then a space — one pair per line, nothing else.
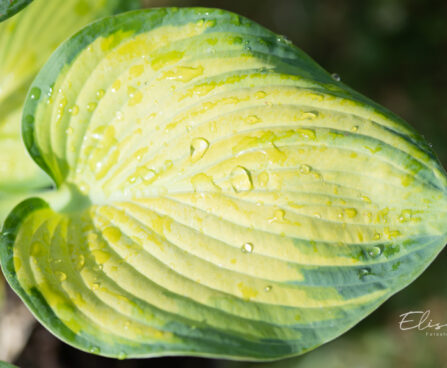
10, 7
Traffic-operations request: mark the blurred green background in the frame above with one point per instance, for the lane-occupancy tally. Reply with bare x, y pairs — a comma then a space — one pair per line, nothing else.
395, 52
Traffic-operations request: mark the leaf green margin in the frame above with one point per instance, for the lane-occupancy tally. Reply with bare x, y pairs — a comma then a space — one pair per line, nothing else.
10, 7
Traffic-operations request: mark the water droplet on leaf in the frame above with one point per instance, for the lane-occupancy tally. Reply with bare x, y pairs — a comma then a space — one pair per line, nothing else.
241, 179
74, 110
198, 148
283, 39
305, 169
94, 350
100, 94
35, 93
375, 252
247, 248
91, 106
122, 356
336, 77
377, 236
364, 272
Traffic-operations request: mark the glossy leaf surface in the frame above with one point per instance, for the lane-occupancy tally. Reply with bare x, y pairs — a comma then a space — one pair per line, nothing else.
219, 194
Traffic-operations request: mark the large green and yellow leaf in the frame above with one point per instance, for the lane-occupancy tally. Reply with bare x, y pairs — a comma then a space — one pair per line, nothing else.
10, 7
26, 42
219, 194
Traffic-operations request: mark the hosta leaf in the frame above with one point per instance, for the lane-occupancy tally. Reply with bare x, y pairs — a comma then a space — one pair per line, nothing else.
10, 7
26, 42
219, 194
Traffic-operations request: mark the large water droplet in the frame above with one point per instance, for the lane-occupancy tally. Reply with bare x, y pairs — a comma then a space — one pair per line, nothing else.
198, 148
247, 248
375, 252
241, 180
305, 169
268, 288
35, 93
